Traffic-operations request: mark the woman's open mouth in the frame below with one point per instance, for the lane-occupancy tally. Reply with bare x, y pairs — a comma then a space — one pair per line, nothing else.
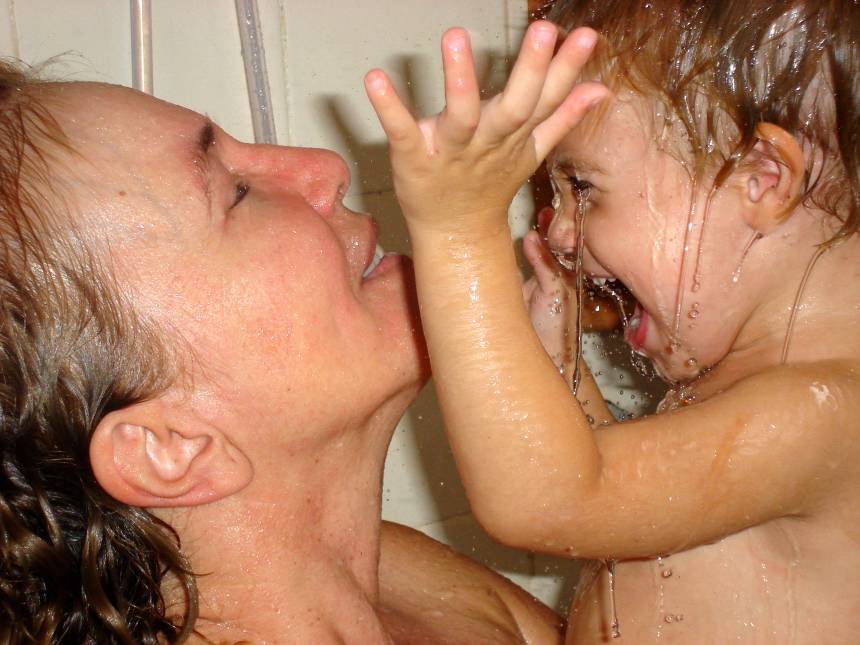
378, 254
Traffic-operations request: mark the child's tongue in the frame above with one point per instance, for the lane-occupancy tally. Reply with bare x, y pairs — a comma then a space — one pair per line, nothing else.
637, 329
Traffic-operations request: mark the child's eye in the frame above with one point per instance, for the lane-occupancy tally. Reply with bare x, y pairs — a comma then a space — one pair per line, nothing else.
579, 186
241, 190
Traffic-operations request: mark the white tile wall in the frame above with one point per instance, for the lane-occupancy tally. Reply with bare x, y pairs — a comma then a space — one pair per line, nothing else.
317, 54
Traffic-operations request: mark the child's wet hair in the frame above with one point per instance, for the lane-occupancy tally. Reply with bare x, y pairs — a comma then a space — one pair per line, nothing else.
721, 67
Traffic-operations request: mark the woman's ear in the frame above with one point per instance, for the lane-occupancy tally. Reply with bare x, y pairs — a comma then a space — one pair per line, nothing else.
773, 182
156, 454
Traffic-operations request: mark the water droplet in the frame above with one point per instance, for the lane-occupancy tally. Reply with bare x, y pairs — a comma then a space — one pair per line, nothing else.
692, 362
666, 573
614, 625
590, 419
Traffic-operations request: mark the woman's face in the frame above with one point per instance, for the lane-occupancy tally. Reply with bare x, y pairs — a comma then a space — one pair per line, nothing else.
248, 254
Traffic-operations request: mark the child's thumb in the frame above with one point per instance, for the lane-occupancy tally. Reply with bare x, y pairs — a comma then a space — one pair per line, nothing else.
544, 265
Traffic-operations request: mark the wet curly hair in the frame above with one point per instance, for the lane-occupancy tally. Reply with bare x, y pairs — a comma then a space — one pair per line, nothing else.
721, 67
76, 566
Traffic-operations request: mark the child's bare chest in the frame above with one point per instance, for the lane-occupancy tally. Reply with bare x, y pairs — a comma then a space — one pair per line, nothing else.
769, 584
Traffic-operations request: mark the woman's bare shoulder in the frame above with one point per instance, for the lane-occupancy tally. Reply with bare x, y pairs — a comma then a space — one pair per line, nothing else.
431, 594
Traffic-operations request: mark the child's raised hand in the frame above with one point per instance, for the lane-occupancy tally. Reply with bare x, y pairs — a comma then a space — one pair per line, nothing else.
459, 170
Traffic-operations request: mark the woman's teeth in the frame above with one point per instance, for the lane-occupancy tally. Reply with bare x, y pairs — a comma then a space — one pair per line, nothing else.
378, 254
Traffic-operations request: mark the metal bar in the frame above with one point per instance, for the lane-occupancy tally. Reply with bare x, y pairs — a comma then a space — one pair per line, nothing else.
141, 45
256, 76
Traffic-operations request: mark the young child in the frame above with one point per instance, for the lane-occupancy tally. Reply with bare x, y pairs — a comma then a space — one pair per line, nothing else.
720, 183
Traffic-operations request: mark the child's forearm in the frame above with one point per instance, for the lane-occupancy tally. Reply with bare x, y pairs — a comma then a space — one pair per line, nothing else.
589, 396
510, 419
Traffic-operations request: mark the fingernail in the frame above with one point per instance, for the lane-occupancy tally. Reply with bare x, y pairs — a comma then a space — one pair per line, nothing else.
376, 82
596, 100
587, 40
545, 33
457, 44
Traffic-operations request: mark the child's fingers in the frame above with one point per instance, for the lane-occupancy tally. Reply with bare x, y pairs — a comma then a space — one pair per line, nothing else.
546, 270
565, 70
568, 115
462, 112
516, 104
529, 288
396, 120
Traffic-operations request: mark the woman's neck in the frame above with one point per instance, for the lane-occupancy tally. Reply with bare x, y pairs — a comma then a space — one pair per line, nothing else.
297, 550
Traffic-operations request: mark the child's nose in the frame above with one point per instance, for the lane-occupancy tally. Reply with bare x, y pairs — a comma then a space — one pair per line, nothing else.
320, 176
561, 234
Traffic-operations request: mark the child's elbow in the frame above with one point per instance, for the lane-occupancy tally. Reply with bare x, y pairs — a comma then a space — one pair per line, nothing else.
538, 527
520, 528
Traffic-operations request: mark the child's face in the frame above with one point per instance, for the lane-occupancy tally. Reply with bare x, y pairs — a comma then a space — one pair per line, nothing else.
639, 201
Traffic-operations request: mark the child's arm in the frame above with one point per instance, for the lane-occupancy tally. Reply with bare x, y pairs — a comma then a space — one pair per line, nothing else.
536, 475
550, 297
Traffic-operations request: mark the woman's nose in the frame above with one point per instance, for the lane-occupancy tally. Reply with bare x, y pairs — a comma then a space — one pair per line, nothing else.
320, 176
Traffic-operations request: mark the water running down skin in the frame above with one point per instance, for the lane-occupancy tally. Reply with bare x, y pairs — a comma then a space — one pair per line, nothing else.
751, 494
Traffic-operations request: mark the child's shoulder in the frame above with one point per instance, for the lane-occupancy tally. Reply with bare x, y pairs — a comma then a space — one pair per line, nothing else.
826, 382
822, 395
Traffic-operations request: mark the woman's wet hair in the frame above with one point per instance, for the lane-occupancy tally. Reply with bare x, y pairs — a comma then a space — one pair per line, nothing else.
718, 68
76, 566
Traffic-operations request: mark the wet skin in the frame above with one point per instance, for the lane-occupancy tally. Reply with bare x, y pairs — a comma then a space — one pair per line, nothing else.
246, 256
785, 579
753, 488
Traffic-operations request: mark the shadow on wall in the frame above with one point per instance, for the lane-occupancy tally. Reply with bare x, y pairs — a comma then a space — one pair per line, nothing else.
422, 436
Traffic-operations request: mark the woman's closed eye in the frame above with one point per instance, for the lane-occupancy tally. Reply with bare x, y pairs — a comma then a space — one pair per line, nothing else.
242, 189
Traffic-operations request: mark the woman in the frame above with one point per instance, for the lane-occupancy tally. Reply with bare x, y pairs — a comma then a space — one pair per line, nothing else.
197, 344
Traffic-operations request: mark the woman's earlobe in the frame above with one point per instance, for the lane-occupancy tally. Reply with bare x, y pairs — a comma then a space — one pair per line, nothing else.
774, 183
148, 455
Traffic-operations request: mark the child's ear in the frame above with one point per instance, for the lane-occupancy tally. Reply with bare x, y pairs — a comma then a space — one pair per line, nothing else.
774, 179
156, 454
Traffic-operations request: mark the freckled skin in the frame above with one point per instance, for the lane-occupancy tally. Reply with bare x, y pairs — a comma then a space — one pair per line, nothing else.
300, 363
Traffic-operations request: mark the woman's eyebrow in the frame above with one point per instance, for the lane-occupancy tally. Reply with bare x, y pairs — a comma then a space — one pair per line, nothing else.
203, 141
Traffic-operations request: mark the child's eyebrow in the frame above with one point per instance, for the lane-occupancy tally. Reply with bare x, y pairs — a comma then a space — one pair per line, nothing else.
571, 167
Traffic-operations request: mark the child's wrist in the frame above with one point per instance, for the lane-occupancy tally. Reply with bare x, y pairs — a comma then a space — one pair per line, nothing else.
464, 228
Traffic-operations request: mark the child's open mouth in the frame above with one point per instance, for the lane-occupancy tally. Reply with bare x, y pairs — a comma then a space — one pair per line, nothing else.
633, 317
637, 328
